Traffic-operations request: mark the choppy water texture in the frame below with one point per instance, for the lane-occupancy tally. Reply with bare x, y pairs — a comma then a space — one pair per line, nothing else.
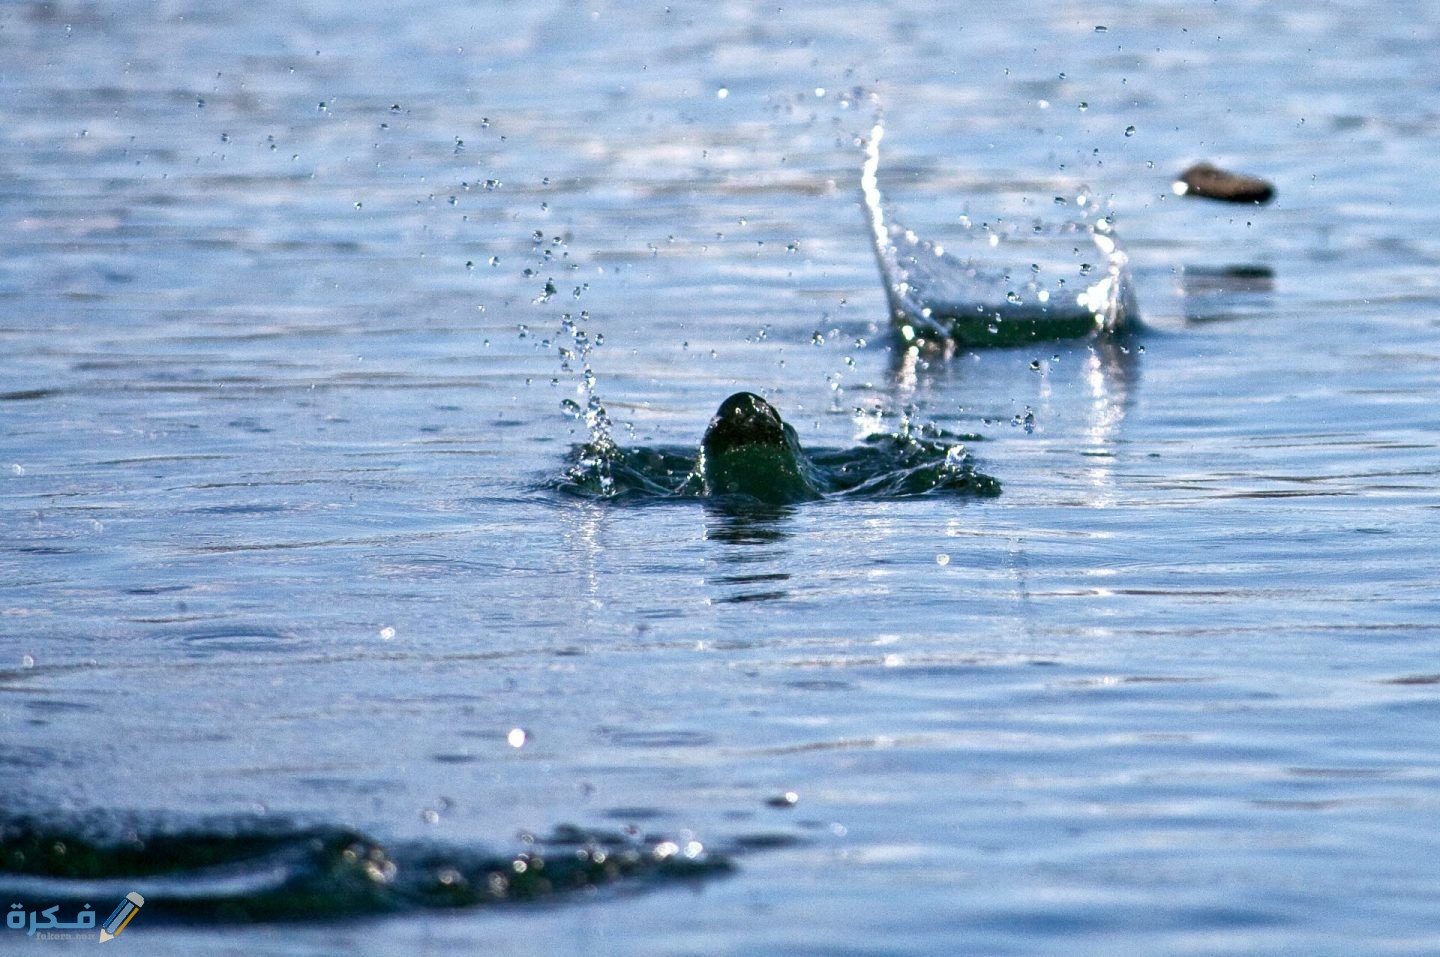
282, 302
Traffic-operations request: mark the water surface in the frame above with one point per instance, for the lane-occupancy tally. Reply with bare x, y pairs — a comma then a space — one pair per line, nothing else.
281, 305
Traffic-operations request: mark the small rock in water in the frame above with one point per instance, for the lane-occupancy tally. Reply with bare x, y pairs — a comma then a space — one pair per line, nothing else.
1211, 182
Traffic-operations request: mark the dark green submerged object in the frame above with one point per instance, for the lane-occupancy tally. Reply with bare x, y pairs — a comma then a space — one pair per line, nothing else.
749, 456
749, 453
749, 450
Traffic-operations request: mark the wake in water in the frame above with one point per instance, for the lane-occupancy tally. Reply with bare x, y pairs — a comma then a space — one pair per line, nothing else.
258, 870
749, 455
1001, 282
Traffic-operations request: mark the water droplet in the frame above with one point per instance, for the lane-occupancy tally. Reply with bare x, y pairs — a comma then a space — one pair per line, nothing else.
387, 633
517, 737
722, 93
942, 559
1129, 131
27, 661
1100, 29
1084, 106
571, 407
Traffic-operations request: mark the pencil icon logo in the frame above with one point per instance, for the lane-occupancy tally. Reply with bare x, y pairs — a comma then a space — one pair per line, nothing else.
115, 923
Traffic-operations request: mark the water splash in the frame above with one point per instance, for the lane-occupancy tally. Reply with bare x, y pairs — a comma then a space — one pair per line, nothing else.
1001, 282
601, 444
249, 870
911, 463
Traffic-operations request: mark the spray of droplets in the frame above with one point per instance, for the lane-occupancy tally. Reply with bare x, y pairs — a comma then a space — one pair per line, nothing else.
577, 347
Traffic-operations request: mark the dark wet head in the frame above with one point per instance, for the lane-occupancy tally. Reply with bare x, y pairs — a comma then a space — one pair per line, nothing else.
744, 419
749, 451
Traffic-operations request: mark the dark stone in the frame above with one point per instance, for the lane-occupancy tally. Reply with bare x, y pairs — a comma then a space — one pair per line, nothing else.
1212, 182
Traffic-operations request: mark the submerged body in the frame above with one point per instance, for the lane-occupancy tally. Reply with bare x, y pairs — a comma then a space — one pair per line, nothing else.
749, 455
749, 450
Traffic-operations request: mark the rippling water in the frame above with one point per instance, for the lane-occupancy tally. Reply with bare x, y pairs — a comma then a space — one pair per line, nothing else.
281, 308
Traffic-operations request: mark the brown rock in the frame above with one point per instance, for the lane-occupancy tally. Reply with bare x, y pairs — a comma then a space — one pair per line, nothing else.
1212, 182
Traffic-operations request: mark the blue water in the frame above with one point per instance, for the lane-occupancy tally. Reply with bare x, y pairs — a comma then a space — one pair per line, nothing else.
278, 537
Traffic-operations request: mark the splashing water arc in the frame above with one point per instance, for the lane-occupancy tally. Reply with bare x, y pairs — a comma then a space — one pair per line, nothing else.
936, 296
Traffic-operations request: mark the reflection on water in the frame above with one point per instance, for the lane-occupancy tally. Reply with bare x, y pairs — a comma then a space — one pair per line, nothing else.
752, 562
1091, 386
1226, 293
584, 546
1112, 375
1106, 371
